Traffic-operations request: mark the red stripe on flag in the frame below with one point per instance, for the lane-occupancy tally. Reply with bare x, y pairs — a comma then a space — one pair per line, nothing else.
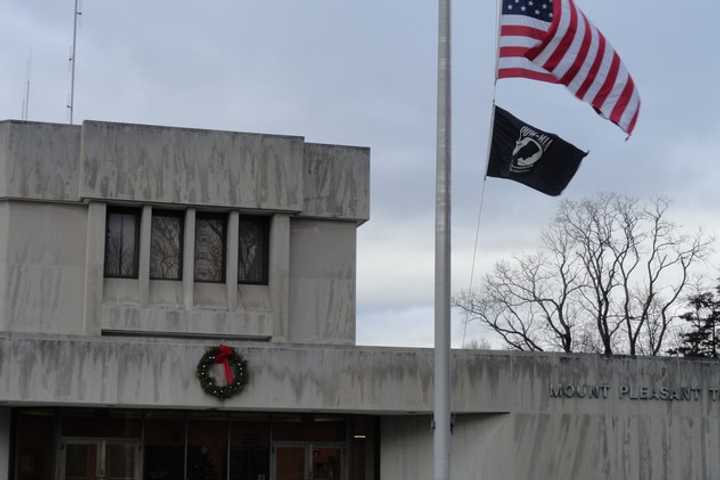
523, 73
631, 127
566, 41
513, 51
557, 13
581, 56
622, 104
594, 69
610, 80
522, 31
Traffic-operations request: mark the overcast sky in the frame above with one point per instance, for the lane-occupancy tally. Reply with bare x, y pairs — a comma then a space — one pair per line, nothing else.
363, 73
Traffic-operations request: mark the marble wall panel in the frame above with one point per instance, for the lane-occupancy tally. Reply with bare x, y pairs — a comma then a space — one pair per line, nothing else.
322, 281
479, 448
560, 447
337, 182
187, 166
43, 267
39, 161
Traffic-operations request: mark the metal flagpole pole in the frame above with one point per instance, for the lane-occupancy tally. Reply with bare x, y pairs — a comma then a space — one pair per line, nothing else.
441, 399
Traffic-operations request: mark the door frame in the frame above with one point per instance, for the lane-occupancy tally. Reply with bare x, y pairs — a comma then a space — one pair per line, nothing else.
308, 446
100, 443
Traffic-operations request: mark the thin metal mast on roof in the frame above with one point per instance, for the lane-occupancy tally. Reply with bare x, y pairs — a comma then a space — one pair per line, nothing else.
25, 113
73, 58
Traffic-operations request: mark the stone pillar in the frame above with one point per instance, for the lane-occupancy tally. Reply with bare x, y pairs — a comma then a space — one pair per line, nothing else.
233, 247
5, 418
279, 275
189, 259
144, 263
94, 268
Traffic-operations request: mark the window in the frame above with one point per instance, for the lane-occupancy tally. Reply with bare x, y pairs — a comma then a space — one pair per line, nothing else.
121, 243
166, 245
210, 241
253, 254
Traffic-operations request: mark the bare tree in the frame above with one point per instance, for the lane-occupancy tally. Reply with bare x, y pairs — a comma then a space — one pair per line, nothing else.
529, 305
607, 278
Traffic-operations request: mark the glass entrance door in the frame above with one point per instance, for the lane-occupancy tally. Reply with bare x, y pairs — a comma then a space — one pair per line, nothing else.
81, 461
326, 463
306, 461
98, 459
290, 463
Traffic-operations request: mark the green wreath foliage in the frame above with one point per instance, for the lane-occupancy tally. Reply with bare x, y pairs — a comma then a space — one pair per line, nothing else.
240, 374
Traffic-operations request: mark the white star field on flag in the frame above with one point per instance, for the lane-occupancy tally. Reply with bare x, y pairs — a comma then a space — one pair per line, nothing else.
540, 9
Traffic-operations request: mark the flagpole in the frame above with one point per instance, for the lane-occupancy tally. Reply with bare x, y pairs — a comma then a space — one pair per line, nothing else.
441, 398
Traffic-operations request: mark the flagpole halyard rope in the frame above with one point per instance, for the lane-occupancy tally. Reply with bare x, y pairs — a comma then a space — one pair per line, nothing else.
487, 161
475, 250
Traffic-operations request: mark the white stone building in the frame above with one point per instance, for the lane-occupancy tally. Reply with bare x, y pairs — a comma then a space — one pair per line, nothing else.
127, 251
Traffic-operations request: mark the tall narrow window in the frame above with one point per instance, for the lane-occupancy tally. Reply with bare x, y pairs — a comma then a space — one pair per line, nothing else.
121, 243
253, 255
210, 244
166, 245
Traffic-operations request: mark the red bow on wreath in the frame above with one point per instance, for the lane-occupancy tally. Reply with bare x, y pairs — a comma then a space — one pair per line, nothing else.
223, 356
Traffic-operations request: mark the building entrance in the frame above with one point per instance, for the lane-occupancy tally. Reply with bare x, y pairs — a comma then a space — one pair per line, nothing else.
98, 459
109, 444
308, 461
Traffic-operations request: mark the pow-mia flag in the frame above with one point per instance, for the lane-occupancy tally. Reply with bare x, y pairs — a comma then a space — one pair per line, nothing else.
528, 155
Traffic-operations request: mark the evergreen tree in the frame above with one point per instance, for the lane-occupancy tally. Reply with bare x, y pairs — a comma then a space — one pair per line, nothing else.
701, 340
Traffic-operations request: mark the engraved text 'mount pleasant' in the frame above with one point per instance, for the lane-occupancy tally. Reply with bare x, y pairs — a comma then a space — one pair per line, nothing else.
634, 392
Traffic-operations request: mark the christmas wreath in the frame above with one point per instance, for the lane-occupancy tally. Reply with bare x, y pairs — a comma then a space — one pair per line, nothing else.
235, 372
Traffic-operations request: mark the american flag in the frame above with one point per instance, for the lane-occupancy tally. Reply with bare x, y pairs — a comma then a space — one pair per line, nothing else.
553, 41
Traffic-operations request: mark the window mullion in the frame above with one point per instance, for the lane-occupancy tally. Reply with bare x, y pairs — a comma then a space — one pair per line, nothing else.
231, 264
189, 259
121, 244
144, 261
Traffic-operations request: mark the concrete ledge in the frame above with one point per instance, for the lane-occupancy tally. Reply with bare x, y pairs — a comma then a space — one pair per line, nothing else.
160, 373
217, 322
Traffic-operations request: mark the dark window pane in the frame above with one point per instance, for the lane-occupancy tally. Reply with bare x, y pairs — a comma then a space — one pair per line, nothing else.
210, 248
164, 449
120, 460
80, 461
166, 246
250, 451
121, 238
207, 450
326, 463
309, 429
290, 463
86, 424
34, 449
253, 258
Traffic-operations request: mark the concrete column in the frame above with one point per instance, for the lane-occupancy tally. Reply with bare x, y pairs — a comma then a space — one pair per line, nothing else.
233, 249
189, 259
5, 440
279, 274
94, 268
144, 264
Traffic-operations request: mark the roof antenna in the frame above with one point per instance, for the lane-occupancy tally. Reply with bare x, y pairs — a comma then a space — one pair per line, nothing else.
24, 114
71, 104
